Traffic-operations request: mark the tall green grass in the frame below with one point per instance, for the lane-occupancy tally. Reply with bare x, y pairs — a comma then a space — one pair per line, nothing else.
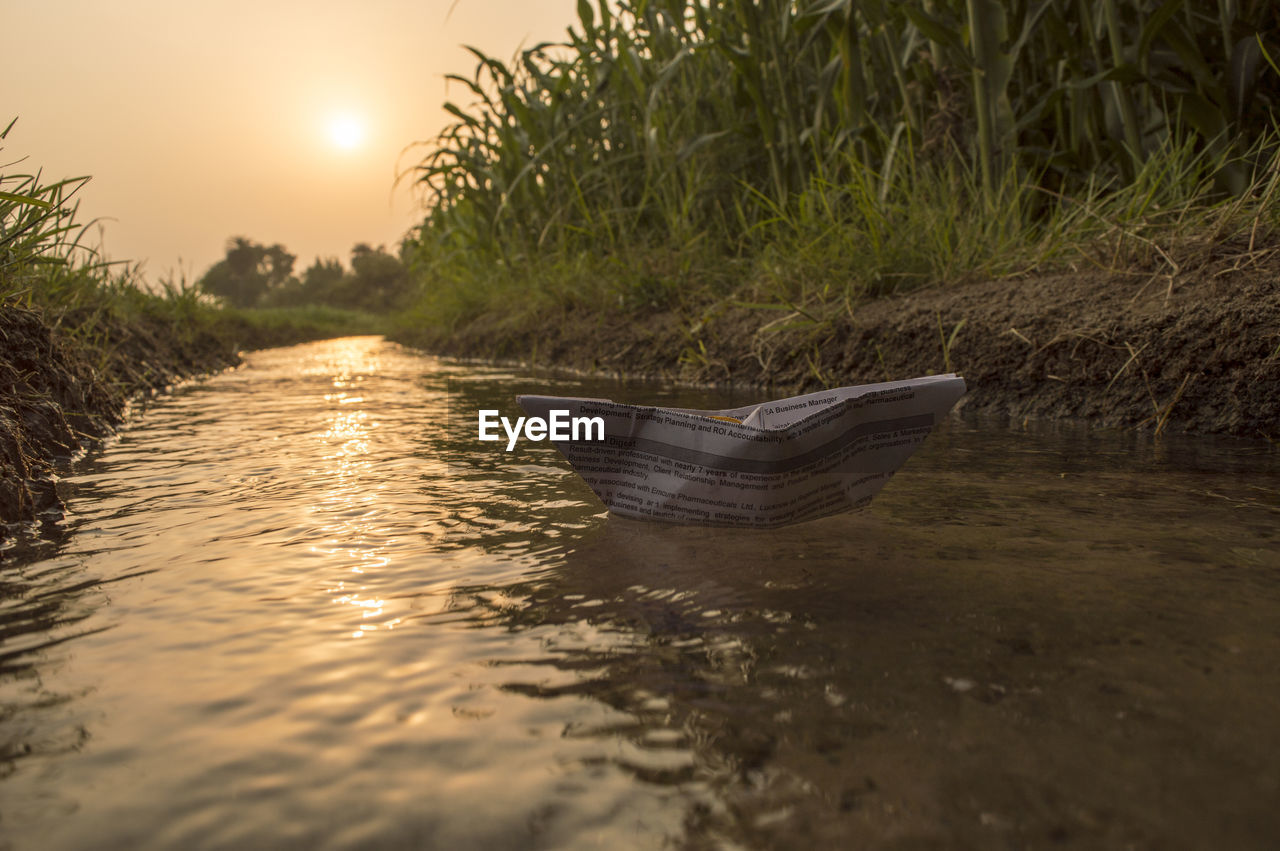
40, 238
47, 264
671, 149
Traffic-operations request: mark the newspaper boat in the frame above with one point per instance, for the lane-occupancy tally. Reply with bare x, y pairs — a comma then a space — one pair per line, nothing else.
764, 465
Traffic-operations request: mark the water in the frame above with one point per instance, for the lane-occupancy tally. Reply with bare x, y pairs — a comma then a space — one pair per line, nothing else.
299, 606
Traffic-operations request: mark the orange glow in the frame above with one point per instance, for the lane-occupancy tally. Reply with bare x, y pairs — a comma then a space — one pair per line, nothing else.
346, 131
272, 121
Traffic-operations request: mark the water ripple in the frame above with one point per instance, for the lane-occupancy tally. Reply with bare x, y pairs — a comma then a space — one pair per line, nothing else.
299, 605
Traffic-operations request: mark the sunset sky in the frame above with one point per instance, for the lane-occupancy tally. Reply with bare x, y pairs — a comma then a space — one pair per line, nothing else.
279, 121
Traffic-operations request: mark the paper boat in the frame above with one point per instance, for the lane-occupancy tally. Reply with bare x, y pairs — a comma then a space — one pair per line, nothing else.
762, 465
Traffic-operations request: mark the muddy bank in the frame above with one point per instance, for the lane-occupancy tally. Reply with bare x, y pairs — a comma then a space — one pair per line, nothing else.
67, 380
1198, 351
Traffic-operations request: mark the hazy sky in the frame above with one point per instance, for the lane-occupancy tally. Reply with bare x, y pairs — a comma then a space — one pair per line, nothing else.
279, 120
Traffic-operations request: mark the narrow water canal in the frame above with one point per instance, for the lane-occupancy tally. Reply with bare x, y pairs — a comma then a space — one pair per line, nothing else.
299, 605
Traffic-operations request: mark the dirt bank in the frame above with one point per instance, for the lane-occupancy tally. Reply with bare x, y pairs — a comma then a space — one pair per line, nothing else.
60, 389
67, 380
1195, 351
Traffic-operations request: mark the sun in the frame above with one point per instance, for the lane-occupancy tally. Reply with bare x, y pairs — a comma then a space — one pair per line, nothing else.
346, 131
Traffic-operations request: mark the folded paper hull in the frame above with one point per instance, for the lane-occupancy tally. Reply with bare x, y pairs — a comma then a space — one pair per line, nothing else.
760, 466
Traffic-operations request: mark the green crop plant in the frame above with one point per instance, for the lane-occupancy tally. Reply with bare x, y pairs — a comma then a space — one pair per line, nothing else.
996, 133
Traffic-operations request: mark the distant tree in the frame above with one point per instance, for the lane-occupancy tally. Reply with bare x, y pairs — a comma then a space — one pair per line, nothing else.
243, 256
376, 283
255, 275
380, 278
219, 280
279, 266
249, 272
322, 279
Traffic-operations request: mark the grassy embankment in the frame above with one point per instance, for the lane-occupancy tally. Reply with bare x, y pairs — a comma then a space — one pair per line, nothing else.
722, 190
80, 337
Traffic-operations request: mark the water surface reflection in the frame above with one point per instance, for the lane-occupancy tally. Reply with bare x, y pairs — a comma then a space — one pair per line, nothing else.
299, 606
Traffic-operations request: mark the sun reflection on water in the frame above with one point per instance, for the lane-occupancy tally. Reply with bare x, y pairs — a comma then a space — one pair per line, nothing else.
351, 500
350, 432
